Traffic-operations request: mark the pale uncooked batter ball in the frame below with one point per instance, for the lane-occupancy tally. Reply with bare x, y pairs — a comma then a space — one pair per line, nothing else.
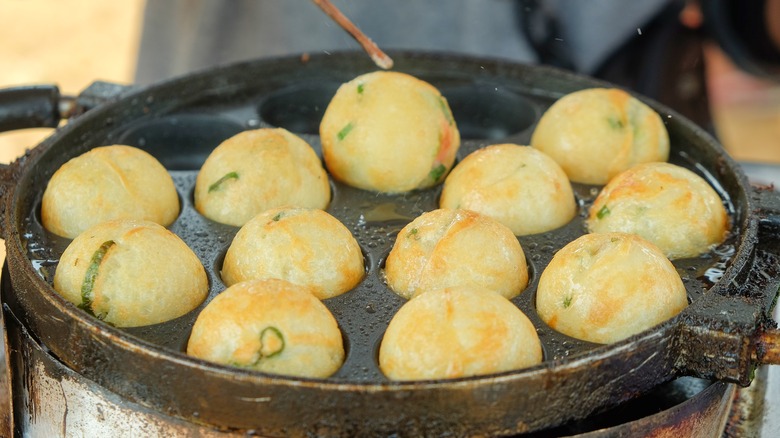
269, 325
445, 247
666, 204
131, 273
605, 287
108, 182
596, 133
304, 246
257, 170
389, 132
457, 332
519, 186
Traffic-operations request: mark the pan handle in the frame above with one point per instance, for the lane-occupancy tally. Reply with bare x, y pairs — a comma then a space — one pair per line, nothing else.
731, 343
36, 106
768, 211
767, 342
42, 106
768, 347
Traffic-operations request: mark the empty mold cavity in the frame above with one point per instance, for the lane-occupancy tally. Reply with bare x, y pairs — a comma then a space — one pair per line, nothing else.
298, 108
180, 142
489, 112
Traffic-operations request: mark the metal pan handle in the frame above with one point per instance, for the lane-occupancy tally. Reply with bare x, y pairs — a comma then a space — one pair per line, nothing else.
730, 343
768, 347
36, 106
42, 106
767, 343
768, 201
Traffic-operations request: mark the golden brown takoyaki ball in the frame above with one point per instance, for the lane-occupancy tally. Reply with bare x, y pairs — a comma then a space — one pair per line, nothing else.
596, 133
604, 287
269, 325
519, 186
304, 246
457, 332
131, 273
105, 183
666, 204
389, 132
444, 248
257, 170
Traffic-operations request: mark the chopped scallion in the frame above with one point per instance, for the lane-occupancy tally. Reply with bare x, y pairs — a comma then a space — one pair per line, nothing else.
345, 131
446, 110
603, 212
87, 293
229, 175
271, 342
615, 123
437, 172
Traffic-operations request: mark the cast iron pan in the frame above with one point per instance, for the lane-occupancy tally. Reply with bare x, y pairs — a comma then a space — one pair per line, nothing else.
724, 334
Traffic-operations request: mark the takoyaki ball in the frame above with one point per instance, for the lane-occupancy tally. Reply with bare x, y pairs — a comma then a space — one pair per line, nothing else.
444, 248
596, 133
389, 132
269, 325
457, 332
131, 273
257, 170
304, 246
105, 183
518, 186
605, 287
666, 204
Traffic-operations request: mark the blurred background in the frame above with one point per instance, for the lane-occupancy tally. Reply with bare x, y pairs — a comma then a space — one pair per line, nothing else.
68, 43
74, 43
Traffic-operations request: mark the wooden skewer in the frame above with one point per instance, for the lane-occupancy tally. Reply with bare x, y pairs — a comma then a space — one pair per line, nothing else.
379, 57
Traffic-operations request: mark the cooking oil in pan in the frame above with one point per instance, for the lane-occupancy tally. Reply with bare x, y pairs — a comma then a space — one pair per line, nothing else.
723, 255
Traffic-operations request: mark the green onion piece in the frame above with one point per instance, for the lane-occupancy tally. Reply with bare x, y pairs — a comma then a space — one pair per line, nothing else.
360, 88
271, 343
603, 212
278, 216
615, 123
89, 277
437, 172
229, 175
344, 131
412, 232
567, 301
446, 110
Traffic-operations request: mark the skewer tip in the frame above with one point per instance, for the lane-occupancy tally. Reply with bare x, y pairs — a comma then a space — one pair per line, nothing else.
382, 61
